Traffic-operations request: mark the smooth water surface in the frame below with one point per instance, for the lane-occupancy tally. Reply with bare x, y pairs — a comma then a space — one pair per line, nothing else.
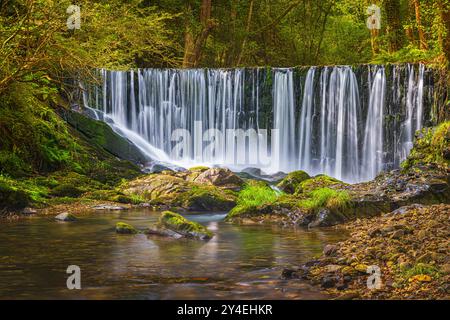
240, 262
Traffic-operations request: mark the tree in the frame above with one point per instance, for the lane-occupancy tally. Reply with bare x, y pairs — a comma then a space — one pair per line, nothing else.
394, 27
194, 42
422, 38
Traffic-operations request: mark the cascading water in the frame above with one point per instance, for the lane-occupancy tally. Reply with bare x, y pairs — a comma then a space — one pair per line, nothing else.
345, 122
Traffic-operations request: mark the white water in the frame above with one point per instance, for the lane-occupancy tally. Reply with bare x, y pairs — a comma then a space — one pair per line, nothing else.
327, 120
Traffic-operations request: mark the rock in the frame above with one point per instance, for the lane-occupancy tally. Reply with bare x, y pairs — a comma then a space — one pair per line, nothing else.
174, 190
361, 268
404, 209
288, 274
398, 234
101, 134
176, 226
65, 216
220, 177
125, 228
420, 278
291, 182
324, 218
328, 282
29, 210
332, 268
445, 268
330, 249
107, 207
347, 270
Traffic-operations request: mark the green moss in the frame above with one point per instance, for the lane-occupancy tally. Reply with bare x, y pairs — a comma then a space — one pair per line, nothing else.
291, 182
198, 168
125, 228
429, 147
206, 198
319, 181
17, 193
326, 198
66, 190
420, 268
177, 222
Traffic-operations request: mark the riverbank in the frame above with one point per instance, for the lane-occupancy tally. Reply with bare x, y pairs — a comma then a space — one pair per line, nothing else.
409, 246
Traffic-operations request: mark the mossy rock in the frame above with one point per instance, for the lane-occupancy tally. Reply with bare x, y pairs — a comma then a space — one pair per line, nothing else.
432, 145
176, 222
100, 134
66, 190
206, 198
291, 182
319, 181
125, 228
173, 191
13, 198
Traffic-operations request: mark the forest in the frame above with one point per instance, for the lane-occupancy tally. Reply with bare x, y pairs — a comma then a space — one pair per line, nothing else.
359, 89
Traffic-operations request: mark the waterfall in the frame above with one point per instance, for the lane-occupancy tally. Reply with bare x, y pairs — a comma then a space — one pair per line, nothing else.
349, 123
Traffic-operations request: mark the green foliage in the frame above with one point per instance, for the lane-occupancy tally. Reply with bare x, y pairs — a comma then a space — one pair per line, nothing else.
252, 197
256, 194
326, 198
319, 181
429, 147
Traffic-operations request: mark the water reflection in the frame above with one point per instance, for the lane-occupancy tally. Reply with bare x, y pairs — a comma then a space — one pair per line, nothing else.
239, 262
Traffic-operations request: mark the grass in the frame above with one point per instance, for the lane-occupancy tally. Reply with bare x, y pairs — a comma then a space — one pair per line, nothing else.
326, 197
253, 195
256, 194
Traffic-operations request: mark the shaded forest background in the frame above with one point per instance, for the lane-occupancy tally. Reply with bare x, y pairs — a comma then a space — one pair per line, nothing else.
39, 55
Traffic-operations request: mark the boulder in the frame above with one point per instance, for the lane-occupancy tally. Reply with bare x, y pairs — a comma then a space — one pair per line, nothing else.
291, 182
175, 190
65, 216
220, 177
174, 225
125, 228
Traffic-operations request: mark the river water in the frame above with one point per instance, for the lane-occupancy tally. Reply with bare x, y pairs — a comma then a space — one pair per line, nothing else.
240, 262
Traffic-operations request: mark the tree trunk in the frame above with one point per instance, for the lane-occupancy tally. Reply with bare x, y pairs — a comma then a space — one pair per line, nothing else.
247, 31
422, 39
445, 16
193, 45
394, 26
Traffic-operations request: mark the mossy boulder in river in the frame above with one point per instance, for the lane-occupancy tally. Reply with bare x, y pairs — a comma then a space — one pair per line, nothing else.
175, 225
175, 190
125, 228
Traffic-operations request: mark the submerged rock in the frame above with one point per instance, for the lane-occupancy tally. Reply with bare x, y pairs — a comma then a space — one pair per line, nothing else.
125, 228
174, 225
108, 207
65, 216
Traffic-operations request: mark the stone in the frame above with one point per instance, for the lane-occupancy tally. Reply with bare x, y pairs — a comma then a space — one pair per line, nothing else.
28, 211
361, 268
125, 228
332, 268
328, 282
330, 249
220, 177
291, 182
65, 216
107, 207
176, 226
